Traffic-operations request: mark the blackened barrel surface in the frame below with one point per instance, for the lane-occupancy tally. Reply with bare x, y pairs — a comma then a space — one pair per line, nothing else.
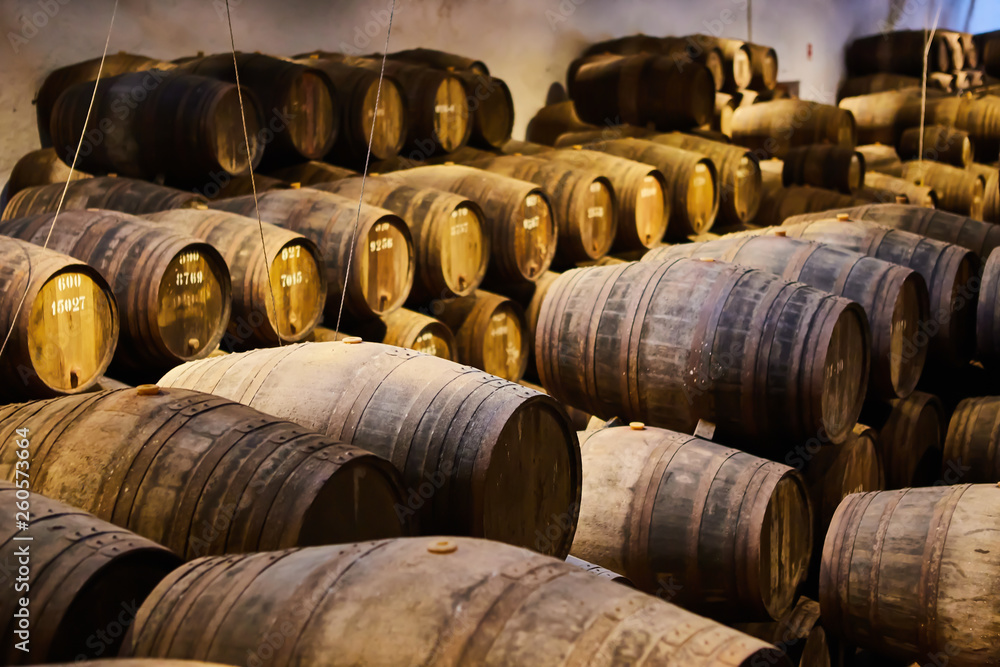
84, 576
894, 298
443, 601
200, 474
480, 456
712, 529
673, 342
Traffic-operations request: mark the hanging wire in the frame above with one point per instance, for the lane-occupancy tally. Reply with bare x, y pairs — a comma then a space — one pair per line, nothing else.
69, 177
923, 92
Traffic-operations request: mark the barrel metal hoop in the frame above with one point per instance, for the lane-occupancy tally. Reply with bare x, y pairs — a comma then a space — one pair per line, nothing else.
798, 260
629, 354
590, 341
885, 519
758, 352
930, 568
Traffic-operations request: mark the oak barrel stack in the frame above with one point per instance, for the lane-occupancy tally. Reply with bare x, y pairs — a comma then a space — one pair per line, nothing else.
59, 80
958, 190
894, 298
940, 143
519, 217
126, 195
771, 129
202, 475
641, 89
299, 108
361, 123
642, 194
450, 235
693, 178
479, 456
666, 376
949, 271
443, 600
373, 275
184, 128
67, 331
682, 50
904, 573
733, 541
583, 201
279, 289
833, 167
404, 328
439, 120
85, 574
173, 290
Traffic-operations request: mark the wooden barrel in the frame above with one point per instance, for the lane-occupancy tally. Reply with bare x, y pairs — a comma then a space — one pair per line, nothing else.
693, 177
202, 475
798, 634
135, 662
642, 89
530, 297
490, 332
518, 216
882, 82
450, 238
406, 328
941, 144
682, 50
917, 561
824, 166
313, 173
174, 291
833, 472
380, 258
958, 190
733, 543
492, 107
881, 159
894, 298
739, 174
299, 103
357, 91
898, 51
41, 167
479, 455
991, 200
978, 236
915, 195
878, 116
116, 194
66, 333
736, 60
988, 313
440, 60
82, 576
178, 126
439, 118
279, 288
778, 203
642, 195
949, 271
553, 120
971, 453
771, 129
721, 382
65, 77
517, 608
910, 435
763, 67
583, 202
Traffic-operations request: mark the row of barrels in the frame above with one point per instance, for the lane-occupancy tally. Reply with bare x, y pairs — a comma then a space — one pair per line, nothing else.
317, 105
906, 51
770, 532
